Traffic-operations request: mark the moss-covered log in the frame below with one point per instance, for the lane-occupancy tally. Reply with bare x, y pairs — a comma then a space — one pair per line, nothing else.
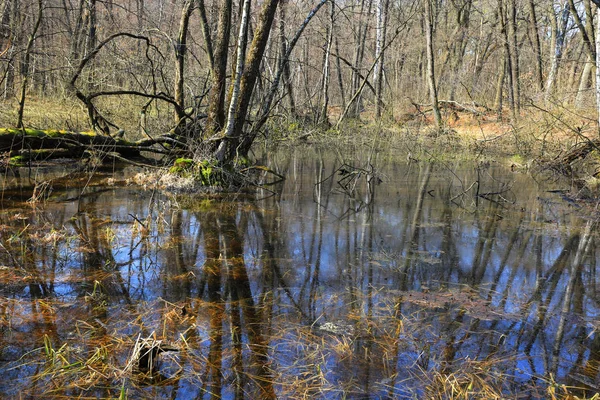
29, 143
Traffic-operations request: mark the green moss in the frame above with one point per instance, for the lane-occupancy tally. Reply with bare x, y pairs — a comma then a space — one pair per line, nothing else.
17, 161
206, 205
182, 166
42, 132
242, 162
517, 159
206, 173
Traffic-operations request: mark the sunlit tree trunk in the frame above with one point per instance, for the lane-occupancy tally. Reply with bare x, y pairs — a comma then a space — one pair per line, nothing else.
514, 57
359, 51
283, 63
587, 33
9, 40
598, 65
180, 50
239, 68
26, 61
339, 74
323, 114
266, 105
381, 14
537, 48
216, 98
206, 33
256, 51
437, 116
558, 35
500, 88
507, 55
584, 81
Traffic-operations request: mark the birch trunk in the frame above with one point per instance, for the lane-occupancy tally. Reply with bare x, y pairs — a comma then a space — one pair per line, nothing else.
239, 68
381, 9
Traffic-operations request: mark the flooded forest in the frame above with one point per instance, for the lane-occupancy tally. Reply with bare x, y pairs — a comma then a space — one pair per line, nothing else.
363, 199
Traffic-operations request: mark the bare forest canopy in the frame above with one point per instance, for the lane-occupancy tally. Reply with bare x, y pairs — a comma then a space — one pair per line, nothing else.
207, 77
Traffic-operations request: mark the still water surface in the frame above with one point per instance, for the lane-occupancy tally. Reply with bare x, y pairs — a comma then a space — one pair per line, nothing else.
359, 276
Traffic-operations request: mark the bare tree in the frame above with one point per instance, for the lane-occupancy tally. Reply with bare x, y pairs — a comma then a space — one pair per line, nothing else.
431, 65
559, 32
26, 61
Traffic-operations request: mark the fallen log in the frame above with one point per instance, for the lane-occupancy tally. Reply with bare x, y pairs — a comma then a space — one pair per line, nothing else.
39, 145
579, 152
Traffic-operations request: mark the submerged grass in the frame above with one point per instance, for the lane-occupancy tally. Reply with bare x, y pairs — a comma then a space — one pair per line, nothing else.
382, 355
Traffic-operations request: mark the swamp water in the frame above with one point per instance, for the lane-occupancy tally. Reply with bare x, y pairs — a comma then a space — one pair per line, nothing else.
420, 281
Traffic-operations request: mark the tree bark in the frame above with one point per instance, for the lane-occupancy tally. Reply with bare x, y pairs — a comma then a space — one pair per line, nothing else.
598, 66
382, 6
558, 34
431, 66
283, 63
516, 79
216, 97
500, 89
239, 69
229, 152
508, 57
180, 50
206, 33
27, 58
266, 105
359, 52
537, 48
323, 114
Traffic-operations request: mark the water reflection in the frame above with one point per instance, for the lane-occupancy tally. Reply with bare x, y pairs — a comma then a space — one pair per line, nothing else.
349, 282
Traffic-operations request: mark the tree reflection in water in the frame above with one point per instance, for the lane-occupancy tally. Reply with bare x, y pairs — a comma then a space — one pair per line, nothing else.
398, 290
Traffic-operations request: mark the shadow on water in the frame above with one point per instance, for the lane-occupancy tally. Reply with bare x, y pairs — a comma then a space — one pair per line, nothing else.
408, 280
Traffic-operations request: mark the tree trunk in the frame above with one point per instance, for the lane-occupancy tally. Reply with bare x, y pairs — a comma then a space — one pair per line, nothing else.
266, 105
598, 66
25, 69
515, 57
589, 45
537, 48
239, 69
261, 36
431, 66
180, 50
283, 63
500, 89
381, 15
206, 33
507, 56
584, 82
558, 34
215, 119
339, 74
91, 39
359, 52
323, 114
